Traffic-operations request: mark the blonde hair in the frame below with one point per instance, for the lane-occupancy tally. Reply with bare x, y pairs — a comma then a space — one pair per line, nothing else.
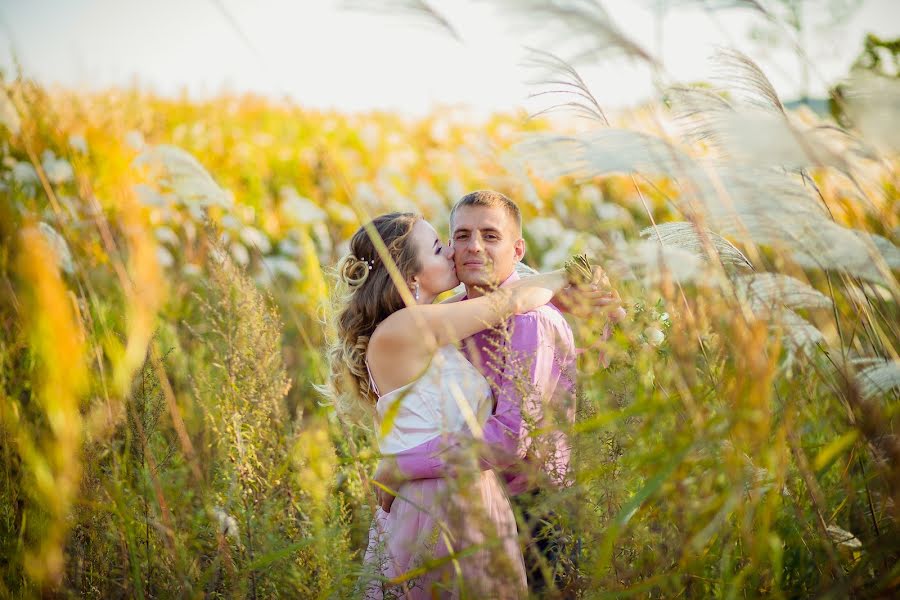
489, 199
366, 296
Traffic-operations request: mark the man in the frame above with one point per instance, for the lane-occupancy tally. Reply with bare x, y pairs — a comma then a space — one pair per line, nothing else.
530, 363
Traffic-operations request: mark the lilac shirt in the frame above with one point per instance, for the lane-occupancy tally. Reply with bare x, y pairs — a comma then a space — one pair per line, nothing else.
532, 377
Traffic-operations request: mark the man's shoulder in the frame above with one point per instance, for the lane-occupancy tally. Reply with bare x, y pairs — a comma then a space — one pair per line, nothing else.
544, 320
545, 315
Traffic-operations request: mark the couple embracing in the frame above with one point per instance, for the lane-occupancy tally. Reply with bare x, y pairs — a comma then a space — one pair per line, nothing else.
471, 400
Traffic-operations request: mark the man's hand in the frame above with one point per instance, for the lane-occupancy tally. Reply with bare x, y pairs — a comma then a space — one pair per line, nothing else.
389, 476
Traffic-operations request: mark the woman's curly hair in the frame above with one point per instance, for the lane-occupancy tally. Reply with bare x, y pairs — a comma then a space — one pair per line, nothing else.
366, 296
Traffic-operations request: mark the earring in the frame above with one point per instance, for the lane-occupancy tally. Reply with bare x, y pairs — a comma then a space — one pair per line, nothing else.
416, 294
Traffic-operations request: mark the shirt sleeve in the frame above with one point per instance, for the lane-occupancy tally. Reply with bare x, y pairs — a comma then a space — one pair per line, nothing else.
530, 376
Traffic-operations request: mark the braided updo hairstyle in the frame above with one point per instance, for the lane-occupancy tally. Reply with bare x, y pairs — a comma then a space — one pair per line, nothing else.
368, 297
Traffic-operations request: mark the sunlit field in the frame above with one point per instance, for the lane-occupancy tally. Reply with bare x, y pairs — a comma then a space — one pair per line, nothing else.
166, 283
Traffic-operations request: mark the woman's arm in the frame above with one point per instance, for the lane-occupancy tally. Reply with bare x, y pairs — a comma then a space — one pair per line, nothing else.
447, 323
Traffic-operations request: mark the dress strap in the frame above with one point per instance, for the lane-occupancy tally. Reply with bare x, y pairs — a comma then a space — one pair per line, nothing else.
371, 379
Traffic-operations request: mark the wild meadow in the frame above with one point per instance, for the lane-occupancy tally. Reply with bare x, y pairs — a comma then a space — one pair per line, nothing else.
166, 282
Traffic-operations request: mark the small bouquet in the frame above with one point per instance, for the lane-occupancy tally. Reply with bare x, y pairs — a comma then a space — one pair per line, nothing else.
579, 270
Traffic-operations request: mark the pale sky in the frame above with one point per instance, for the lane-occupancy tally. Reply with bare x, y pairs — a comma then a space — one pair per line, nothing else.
321, 55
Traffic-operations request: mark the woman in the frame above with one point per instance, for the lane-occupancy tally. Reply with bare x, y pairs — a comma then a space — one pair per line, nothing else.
441, 536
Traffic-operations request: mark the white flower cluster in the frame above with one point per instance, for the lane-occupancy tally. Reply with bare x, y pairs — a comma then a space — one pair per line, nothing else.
228, 526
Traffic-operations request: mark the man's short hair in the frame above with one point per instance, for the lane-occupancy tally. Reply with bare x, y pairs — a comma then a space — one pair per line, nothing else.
489, 199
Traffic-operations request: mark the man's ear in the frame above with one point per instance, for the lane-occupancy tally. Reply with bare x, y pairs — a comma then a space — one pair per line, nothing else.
520, 249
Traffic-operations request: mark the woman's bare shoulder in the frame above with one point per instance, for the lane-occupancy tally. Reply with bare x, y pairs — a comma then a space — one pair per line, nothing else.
391, 331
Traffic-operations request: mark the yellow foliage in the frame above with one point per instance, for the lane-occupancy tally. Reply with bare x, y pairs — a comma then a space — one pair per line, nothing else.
59, 381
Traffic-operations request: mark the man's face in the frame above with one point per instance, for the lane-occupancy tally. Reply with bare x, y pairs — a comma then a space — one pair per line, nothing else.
487, 245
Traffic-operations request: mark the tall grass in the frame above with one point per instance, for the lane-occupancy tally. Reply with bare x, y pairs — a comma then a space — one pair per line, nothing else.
163, 268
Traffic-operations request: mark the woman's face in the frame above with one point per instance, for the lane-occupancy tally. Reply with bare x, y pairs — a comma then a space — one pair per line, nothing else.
438, 271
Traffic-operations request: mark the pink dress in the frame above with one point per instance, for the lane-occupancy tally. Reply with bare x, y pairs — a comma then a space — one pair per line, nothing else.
443, 537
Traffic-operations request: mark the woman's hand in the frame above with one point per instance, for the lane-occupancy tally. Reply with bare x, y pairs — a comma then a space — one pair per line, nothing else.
584, 301
389, 476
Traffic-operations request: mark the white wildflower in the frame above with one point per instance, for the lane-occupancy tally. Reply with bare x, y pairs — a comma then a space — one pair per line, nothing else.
59, 245
842, 537
164, 257
77, 142
165, 235
58, 170
239, 253
24, 174
148, 196
229, 222
366, 196
592, 194
369, 134
135, 140
255, 238
279, 265
289, 247
655, 336
545, 230
228, 525
607, 211
440, 131
299, 209
343, 213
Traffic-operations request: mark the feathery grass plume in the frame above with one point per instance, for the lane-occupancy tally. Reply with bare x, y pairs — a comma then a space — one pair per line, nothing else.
873, 104
772, 140
774, 296
878, 378
767, 290
752, 126
60, 247
773, 208
583, 24
798, 333
602, 152
48, 430
659, 262
420, 10
177, 172
562, 79
694, 238
744, 78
